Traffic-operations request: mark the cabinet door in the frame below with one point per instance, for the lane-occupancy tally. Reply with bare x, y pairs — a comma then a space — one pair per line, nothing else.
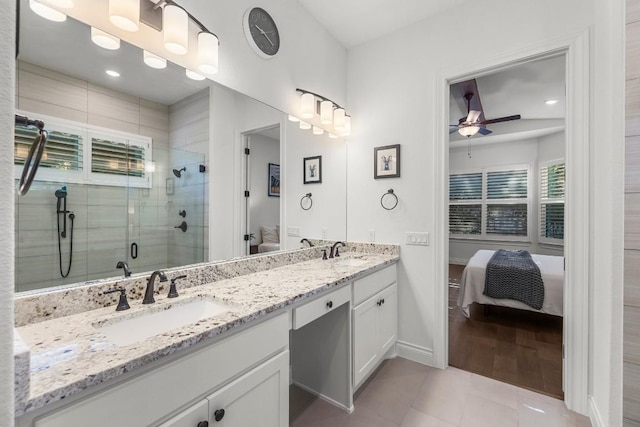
388, 318
195, 416
258, 398
365, 339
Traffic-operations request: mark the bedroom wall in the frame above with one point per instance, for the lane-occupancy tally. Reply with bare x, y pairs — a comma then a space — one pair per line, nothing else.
528, 151
265, 209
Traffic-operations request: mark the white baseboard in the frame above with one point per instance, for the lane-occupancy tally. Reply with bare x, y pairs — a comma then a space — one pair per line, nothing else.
415, 353
594, 414
458, 261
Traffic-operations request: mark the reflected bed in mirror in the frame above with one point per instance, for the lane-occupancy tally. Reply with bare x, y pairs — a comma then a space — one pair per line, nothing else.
133, 155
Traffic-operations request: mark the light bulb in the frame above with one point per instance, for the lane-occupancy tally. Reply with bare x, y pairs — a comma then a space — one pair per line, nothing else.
125, 14
47, 12
207, 53
468, 130
153, 60
175, 25
193, 75
304, 125
326, 112
104, 40
307, 105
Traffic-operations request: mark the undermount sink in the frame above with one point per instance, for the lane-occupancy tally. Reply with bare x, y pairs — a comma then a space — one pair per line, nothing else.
351, 262
148, 324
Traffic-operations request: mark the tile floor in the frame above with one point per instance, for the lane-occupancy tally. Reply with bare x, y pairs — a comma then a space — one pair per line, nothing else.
407, 394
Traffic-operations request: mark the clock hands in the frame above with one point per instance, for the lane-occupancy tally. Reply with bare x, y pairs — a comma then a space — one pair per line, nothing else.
264, 33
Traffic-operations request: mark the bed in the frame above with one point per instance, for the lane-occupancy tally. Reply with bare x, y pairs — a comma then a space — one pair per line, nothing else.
473, 281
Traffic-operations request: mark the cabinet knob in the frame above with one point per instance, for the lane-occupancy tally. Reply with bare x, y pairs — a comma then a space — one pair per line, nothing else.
379, 302
330, 304
203, 424
219, 414
383, 300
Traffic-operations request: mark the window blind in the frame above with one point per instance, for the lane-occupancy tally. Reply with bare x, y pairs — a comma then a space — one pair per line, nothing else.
465, 186
465, 219
508, 220
62, 151
552, 192
507, 184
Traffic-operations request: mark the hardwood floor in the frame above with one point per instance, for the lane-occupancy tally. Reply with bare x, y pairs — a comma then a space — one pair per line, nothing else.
519, 347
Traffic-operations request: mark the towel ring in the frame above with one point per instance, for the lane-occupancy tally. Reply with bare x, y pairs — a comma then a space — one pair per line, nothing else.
391, 200
306, 201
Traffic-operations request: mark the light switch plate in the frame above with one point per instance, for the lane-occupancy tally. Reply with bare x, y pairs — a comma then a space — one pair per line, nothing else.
293, 231
417, 238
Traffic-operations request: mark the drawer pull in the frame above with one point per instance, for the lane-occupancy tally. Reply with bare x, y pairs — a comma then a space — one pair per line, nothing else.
203, 424
219, 414
330, 304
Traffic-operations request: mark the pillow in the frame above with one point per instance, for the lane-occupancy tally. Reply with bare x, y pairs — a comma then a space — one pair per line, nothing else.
269, 234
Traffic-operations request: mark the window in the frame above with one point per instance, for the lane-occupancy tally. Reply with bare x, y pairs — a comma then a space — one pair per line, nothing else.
552, 178
490, 204
113, 158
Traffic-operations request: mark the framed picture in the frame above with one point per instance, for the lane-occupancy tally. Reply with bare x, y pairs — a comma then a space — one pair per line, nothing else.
169, 186
386, 161
312, 170
274, 180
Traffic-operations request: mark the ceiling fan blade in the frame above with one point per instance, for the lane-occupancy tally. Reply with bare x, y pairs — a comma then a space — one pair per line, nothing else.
454, 130
500, 119
484, 131
473, 116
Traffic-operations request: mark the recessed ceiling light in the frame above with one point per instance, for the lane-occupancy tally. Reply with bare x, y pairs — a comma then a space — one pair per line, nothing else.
551, 101
113, 73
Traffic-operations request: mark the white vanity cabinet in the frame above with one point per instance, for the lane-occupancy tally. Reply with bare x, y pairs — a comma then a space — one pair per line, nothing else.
375, 321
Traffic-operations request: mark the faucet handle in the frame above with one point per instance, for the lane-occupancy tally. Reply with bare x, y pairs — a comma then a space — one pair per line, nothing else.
337, 252
173, 292
123, 304
324, 254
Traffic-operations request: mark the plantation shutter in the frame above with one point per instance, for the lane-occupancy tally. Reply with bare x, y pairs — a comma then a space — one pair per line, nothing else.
552, 187
117, 158
507, 184
62, 151
465, 208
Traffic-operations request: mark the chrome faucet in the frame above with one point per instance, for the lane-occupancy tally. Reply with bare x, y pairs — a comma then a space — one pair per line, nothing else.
308, 242
148, 294
334, 249
125, 267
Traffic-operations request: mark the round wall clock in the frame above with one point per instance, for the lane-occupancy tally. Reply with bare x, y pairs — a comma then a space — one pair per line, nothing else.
261, 32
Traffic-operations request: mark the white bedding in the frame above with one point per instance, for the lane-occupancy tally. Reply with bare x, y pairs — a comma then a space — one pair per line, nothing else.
268, 247
473, 277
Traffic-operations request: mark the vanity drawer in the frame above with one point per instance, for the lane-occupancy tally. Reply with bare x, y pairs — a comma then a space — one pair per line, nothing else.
373, 283
320, 306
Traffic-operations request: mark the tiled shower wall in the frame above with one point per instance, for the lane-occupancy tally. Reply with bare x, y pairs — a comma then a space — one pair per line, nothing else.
632, 222
108, 219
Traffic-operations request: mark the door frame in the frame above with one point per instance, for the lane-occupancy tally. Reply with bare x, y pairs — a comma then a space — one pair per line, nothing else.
575, 48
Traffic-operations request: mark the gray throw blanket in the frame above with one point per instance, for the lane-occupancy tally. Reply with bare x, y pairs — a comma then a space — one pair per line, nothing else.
514, 275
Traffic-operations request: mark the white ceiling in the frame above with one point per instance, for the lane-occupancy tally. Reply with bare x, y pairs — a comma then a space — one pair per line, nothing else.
354, 22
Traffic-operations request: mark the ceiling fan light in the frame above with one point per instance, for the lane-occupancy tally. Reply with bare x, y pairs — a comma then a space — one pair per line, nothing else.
469, 130
125, 14
307, 105
104, 40
46, 12
326, 112
153, 60
207, 53
175, 24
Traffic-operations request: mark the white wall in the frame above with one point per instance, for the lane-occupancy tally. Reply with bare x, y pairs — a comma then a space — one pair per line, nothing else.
390, 86
264, 209
529, 152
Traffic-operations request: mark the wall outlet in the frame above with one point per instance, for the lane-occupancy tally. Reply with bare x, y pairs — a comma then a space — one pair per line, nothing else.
293, 231
417, 238
323, 233
372, 235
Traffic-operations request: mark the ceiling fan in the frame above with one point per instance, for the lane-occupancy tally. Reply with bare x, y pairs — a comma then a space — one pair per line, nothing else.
472, 124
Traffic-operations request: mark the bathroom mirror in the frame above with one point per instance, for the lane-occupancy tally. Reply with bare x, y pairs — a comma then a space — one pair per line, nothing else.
164, 204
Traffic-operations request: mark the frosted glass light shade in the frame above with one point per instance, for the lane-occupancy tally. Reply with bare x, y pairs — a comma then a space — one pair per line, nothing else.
64, 4
47, 12
193, 75
333, 136
125, 14
307, 105
317, 130
104, 40
175, 24
207, 53
338, 119
468, 130
305, 125
347, 126
153, 60
293, 118
326, 112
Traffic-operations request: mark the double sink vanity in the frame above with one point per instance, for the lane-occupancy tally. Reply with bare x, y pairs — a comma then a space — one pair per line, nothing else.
222, 353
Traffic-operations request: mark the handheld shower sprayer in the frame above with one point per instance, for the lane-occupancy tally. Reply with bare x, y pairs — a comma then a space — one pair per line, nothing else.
178, 172
61, 209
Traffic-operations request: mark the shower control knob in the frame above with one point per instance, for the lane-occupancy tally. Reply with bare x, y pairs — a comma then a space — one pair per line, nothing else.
182, 213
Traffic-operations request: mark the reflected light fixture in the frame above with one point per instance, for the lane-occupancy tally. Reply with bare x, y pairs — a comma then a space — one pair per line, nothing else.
47, 12
551, 101
64, 4
304, 125
175, 24
468, 130
333, 136
193, 75
112, 73
293, 118
317, 130
153, 60
307, 105
125, 14
104, 40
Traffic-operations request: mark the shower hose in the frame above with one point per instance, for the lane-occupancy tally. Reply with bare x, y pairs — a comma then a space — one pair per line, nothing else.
71, 217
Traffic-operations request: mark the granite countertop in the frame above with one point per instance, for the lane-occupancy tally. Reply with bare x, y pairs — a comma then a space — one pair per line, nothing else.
69, 355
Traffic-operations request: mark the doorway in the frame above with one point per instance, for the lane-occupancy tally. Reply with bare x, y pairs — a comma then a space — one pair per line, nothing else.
262, 190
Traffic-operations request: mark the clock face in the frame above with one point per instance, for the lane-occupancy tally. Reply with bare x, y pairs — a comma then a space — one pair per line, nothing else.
262, 32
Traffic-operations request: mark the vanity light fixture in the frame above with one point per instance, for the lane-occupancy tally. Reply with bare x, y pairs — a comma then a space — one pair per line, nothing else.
339, 119
125, 14
47, 12
207, 52
326, 112
317, 130
347, 126
175, 25
153, 60
104, 40
307, 105
332, 116
293, 118
333, 136
304, 125
193, 75
112, 73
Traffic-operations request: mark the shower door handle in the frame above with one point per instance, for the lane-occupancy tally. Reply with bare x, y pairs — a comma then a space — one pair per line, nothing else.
134, 250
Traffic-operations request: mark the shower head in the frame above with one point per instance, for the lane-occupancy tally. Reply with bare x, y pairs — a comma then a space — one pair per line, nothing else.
61, 193
178, 172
